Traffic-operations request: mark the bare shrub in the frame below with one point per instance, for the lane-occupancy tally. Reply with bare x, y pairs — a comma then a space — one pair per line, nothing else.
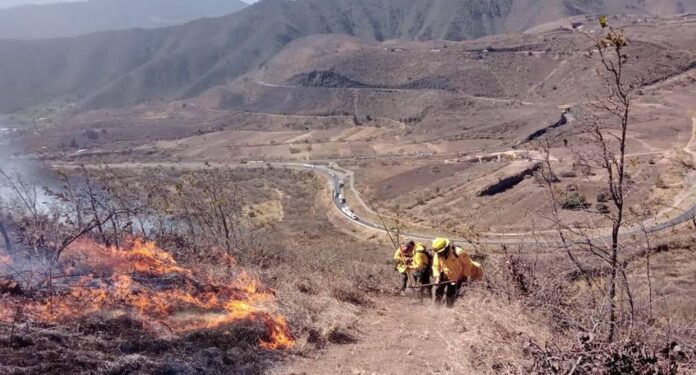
575, 201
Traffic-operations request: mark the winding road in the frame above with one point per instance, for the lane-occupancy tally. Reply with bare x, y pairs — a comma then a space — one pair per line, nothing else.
336, 175
340, 180
389, 89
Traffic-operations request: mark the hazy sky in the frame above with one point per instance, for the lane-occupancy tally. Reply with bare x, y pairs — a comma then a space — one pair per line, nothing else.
12, 3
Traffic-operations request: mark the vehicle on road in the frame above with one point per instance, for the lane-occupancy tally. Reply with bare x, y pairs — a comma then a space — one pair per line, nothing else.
346, 210
340, 183
341, 198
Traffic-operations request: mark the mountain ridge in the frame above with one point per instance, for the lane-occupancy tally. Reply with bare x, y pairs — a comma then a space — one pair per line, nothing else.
115, 69
70, 19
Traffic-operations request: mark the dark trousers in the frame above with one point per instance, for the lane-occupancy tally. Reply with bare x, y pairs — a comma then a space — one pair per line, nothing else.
404, 281
423, 278
449, 291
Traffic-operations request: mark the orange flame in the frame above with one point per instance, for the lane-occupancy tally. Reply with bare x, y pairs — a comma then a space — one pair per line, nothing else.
280, 334
141, 257
131, 281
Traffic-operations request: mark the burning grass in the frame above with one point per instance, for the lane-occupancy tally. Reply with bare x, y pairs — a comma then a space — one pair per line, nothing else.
200, 306
146, 283
143, 293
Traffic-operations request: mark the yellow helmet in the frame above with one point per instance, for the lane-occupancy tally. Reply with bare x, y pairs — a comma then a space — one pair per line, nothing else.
440, 244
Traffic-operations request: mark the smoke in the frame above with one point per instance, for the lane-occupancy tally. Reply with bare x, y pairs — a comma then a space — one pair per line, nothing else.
19, 176
15, 164
22, 170
9, 162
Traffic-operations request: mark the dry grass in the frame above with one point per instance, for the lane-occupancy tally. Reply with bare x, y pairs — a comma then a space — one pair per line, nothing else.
495, 333
322, 278
328, 279
567, 326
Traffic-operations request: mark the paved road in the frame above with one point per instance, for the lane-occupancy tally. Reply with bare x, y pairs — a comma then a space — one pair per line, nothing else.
387, 89
339, 180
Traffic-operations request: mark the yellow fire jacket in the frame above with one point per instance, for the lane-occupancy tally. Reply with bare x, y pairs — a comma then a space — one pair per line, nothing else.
477, 271
417, 262
457, 266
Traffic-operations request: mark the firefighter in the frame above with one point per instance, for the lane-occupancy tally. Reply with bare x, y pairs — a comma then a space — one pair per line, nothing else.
453, 266
421, 268
413, 258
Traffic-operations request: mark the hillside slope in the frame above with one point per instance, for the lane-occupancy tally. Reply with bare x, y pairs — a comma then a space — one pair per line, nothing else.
73, 19
121, 68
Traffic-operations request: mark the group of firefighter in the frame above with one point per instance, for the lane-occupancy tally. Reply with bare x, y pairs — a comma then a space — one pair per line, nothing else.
446, 269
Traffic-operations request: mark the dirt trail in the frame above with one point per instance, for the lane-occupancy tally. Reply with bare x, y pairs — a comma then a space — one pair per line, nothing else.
481, 335
688, 193
691, 146
403, 336
399, 336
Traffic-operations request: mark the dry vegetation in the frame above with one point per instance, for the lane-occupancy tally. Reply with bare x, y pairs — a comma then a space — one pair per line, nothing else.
653, 334
535, 307
320, 278
574, 302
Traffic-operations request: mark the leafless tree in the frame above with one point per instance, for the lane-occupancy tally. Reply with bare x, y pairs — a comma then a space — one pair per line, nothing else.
610, 137
602, 149
392, 224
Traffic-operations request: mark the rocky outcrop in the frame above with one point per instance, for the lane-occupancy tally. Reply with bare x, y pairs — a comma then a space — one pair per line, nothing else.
331, 79
428, 83
565, 119
325, 78
508, 178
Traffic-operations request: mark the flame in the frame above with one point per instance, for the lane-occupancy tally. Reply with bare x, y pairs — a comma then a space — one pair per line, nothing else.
280, 334
146, 282
141, 257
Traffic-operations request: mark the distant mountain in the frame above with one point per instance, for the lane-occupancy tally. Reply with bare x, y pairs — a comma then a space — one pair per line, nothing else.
122, 68
82, 17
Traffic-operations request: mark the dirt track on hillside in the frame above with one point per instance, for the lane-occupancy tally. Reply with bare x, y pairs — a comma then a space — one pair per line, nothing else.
402, 336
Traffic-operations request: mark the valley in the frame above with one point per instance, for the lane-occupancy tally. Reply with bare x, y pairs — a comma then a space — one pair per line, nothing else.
225, 195
435, 136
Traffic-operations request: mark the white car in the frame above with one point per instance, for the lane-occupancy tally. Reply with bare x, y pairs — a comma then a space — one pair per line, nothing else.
346, 210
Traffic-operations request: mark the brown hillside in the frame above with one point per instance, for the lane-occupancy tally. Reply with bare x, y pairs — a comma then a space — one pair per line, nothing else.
120, 68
